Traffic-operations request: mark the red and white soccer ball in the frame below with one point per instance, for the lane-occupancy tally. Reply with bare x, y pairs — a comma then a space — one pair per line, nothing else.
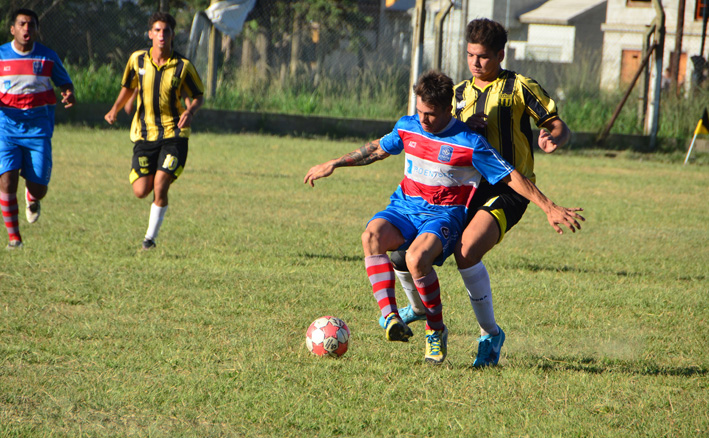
328, 336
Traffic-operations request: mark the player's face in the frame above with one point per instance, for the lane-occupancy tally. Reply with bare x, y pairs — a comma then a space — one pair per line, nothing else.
432, 119
483, 62
24, 31
161, 35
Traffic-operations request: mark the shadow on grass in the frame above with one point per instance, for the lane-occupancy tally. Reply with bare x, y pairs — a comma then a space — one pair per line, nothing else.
534, 267
342, 258
596, 366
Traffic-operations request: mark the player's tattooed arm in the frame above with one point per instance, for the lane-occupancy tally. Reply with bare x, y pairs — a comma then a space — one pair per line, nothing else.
367, 154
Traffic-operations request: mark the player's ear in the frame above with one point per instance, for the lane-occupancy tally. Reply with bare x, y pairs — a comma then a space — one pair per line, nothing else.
501, 55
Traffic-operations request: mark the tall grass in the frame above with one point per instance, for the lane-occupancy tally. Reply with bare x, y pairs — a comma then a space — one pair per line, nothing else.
383, 94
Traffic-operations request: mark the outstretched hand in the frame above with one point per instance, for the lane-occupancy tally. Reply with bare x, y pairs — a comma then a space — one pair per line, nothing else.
561, 216
320, 171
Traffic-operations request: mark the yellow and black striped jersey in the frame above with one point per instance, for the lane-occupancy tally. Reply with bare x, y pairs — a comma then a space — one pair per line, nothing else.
160, 93
508, 102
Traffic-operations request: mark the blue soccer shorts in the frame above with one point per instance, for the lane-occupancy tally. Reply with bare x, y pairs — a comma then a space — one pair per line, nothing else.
447, 227
33, 156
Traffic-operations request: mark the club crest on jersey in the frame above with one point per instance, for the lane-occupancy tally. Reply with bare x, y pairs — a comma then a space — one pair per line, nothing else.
445, 153
6, 85
506, 100
37, 67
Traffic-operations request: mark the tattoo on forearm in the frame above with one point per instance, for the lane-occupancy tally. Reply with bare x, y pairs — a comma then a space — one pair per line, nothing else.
367, 154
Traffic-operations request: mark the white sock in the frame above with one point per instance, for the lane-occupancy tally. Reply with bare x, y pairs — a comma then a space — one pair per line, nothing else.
407, 283
477, 283
156, 216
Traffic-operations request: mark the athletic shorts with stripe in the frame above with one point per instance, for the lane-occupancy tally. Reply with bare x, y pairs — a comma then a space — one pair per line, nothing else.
503, 203
168, 155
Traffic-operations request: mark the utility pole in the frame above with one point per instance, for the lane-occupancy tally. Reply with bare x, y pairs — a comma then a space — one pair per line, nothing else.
416, 51
652, 122
679, 34
212, 57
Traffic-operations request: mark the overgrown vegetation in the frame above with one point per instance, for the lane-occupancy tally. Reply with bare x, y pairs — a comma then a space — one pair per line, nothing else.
382, 94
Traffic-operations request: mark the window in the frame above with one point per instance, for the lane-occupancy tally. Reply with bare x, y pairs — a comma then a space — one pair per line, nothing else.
701, 5
639, 3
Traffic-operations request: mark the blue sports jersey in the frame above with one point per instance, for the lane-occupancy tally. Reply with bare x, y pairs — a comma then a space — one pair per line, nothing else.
442, 170
27, 98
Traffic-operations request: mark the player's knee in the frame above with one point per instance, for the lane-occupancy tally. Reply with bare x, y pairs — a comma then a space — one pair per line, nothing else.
398, 259
417, 264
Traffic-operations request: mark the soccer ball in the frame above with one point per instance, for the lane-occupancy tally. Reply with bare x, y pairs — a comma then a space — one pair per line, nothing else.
327, 336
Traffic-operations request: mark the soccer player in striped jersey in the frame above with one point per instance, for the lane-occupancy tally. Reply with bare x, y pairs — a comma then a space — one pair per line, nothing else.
27, 102
444, 163
169, 93
497, 104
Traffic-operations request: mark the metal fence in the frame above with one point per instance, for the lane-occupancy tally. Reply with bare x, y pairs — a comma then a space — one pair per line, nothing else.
343, 38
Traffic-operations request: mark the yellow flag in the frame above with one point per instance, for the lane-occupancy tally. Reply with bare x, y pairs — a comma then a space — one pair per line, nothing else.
703, 125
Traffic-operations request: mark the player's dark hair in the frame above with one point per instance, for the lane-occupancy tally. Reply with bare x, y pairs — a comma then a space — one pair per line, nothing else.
24, 11
163, 17
488, 33
435, 89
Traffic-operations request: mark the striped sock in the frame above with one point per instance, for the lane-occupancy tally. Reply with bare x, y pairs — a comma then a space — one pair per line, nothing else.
29, 197
381, 274
430, 292
8, 205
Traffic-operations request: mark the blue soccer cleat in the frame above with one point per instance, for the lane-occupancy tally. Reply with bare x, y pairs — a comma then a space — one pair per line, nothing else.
489, 349
407, 315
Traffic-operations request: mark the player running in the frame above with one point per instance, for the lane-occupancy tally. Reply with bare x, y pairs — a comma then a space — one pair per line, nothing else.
496, 103
27, 102
161, 124
444, 163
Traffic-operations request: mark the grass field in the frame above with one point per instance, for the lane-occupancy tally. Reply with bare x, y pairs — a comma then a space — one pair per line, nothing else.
607, 329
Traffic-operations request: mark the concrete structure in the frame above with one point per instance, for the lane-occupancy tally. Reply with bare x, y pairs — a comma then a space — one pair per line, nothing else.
624, 32
560, 30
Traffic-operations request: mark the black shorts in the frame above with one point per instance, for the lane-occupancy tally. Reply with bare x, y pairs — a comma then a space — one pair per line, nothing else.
503, 203
168, 155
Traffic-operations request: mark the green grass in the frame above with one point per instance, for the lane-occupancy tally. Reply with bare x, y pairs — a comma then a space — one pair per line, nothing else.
204, 336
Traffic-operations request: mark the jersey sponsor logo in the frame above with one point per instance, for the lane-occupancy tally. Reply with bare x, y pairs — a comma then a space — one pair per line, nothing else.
412, 144
7, 68
37, 67
141, 71
506, 100
460, 105
445, 153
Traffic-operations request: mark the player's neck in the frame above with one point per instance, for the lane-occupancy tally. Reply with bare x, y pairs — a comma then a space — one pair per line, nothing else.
484, 82
160, 55
22, 48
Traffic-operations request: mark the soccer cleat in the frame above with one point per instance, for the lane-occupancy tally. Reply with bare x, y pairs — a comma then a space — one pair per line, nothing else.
407, 315
32, 210
14, 244
148, 244
396, 330
489, 349
436, 346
